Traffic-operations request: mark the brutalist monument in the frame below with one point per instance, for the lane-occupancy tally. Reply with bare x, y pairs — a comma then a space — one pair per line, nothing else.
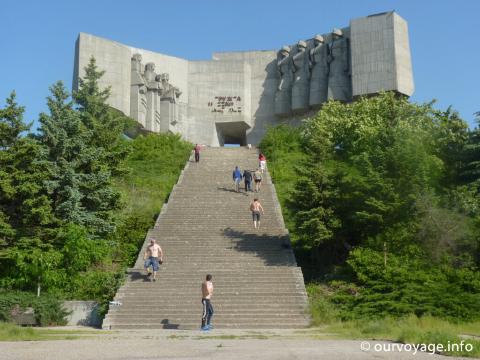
234, 97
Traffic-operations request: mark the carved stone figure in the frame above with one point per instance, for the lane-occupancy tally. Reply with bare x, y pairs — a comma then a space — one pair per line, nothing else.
339, 78
283, 96
138, 90
169, 108
319, 77
154, 88
301, 86
170, 92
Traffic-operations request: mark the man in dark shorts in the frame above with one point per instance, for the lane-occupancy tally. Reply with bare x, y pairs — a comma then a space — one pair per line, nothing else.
207, 313
255, 208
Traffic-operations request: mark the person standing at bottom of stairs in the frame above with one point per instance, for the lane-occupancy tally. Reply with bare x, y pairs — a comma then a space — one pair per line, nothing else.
255, 208
153, 257
207, 292
237, 177
196, 150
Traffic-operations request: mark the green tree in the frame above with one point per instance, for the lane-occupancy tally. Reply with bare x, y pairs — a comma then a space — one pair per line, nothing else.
11, 126
471, 166
80, 183
24, 207
104, 125
26, 216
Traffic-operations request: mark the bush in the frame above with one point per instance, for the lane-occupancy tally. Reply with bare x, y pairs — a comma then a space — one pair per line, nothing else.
408, 286
48, 309
321, 308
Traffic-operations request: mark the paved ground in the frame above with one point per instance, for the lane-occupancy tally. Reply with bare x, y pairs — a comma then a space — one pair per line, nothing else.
168, 344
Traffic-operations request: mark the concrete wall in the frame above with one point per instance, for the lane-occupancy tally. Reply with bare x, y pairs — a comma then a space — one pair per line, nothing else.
380, 61
380, 55
82, 313
115, 59
263, 84
220, 92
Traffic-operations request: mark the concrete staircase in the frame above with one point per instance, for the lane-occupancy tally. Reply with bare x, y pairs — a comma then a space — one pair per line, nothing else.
206, 227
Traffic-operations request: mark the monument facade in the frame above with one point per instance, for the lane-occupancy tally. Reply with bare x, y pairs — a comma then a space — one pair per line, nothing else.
233, 98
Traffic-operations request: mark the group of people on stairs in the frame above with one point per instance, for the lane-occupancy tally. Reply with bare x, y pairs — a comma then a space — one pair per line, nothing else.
153, 256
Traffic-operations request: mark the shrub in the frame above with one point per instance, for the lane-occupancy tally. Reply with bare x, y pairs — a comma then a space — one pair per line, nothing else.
48, 309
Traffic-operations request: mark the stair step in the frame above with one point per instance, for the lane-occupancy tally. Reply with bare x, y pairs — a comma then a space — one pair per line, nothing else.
206, 227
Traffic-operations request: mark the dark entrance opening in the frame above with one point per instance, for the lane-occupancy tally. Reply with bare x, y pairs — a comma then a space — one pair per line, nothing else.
232, 133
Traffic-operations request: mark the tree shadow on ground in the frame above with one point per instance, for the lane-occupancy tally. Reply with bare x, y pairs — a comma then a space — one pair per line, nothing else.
275, 250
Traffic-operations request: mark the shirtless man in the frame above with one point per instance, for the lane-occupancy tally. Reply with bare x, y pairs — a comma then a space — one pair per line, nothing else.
255, 208
153, 257
207, 292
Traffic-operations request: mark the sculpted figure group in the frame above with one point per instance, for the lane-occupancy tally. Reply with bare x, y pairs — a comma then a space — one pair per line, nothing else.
311, 75
149, 93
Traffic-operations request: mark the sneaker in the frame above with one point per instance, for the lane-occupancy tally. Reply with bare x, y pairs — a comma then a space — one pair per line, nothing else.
205, 328
210, 326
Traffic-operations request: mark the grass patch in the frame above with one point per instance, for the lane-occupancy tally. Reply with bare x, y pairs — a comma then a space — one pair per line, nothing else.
322, 311
12, 332
412, 330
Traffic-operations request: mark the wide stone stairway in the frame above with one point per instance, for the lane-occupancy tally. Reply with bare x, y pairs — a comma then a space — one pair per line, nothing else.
206, 227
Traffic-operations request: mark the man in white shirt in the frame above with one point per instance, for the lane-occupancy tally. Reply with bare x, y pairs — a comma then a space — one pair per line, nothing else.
153, 257
207, 292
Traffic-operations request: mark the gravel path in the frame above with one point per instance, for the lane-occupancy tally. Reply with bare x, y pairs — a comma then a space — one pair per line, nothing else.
162, 344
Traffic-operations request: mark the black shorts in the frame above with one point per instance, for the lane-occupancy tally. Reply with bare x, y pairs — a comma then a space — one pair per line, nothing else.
256, 215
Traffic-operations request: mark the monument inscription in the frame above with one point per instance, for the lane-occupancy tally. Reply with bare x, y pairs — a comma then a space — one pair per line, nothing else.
226, 104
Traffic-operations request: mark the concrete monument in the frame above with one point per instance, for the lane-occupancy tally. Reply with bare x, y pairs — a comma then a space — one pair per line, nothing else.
283, 105
234, 97
339, 76
154, 91
168, 104
138, 91
319, 77
301, 83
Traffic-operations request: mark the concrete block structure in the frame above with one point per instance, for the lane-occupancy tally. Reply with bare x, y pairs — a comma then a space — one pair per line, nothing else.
235, 96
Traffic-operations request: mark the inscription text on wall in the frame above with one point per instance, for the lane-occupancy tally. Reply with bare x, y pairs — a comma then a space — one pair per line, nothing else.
226, 104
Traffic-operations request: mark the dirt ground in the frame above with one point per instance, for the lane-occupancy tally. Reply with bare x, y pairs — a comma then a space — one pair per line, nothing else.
216, 344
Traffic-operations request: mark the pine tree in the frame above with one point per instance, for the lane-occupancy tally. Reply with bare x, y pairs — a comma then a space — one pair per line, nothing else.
63, 136
24, 207
25, 210
105, 126
11, 126
80, 183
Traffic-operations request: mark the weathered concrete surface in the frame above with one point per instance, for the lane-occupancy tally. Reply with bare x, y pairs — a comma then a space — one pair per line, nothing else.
82, 313
167, 344
381, 55
239, 88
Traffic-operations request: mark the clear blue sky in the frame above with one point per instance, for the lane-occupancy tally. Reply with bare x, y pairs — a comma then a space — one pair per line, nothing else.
37, 38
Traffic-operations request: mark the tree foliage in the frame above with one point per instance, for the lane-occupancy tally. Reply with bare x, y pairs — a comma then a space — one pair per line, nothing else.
386, 196
77, 197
